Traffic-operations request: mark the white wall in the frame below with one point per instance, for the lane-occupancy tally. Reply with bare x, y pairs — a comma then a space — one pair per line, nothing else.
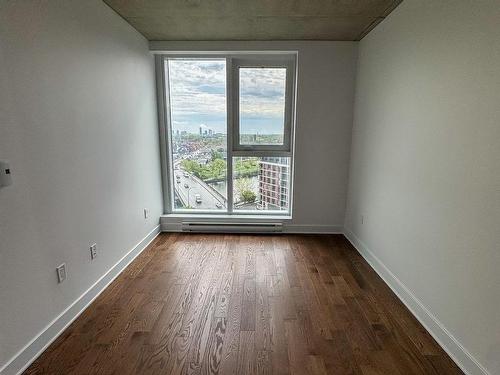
425, 164
323, 133
78, 125
325, 87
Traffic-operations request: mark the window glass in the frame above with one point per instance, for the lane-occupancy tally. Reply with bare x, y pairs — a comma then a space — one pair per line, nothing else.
260, 130
262, 105
261, 183
197, 91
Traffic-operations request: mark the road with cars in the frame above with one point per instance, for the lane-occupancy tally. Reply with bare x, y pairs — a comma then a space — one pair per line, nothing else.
189, 187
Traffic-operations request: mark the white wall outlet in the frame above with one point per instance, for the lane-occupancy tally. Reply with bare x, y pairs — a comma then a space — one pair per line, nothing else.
61, 273
93, 251
146, 213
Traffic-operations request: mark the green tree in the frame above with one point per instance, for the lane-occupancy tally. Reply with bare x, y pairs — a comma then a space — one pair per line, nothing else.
191, 166
215, 169
243, 187
218, 168
246, 167
248, 196
216, 155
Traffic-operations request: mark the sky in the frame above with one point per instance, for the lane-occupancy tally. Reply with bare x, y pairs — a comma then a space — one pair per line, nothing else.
198, 97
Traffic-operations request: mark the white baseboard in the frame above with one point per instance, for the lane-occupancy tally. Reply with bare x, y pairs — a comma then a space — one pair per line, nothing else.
35, 347
461, 356
312, 229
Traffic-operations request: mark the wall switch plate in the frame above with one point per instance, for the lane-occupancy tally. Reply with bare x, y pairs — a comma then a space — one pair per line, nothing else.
61, 273
93, 251
146, 213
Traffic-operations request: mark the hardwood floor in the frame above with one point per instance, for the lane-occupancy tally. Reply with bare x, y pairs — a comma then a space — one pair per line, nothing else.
246, 304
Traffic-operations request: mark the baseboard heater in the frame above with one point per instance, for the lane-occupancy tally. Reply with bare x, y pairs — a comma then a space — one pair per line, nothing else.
214, 227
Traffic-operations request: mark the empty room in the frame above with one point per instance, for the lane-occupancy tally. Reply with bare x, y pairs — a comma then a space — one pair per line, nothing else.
242, 187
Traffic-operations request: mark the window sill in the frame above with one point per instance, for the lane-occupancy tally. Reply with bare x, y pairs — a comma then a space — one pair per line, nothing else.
226, 217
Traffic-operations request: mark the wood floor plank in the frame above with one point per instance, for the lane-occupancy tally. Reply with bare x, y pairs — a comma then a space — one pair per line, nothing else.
316, 365
263, 363
277, 337
297, 350
196, 304
246, 353
213, 356
229, 361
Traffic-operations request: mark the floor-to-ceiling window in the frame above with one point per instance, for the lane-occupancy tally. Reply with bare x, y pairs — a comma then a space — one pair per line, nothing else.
228, 132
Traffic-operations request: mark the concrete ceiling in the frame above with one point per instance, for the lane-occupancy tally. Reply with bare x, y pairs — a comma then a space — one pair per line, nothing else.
253, 19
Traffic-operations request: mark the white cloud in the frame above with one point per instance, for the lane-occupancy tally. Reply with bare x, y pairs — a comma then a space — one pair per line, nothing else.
198, 90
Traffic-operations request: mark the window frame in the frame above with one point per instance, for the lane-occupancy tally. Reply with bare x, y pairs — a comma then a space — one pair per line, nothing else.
263, 61
287, 59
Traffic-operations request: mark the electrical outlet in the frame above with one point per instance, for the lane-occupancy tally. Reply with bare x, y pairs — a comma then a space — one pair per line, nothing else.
61, 273
93, 251
146, 213
5, 174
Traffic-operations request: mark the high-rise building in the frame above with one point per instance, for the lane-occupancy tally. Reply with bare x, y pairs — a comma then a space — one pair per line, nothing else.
274, 178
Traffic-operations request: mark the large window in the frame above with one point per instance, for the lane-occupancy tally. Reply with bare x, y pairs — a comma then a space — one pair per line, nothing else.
227, 122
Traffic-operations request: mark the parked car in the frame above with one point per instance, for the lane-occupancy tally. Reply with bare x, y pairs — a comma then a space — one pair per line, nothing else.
197, 198
186, 174
218, 205
186, 186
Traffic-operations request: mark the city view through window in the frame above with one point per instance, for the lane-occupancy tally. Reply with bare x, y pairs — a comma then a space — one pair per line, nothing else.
198, 125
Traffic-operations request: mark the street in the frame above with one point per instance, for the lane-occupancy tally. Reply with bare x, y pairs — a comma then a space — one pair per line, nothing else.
187, 195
